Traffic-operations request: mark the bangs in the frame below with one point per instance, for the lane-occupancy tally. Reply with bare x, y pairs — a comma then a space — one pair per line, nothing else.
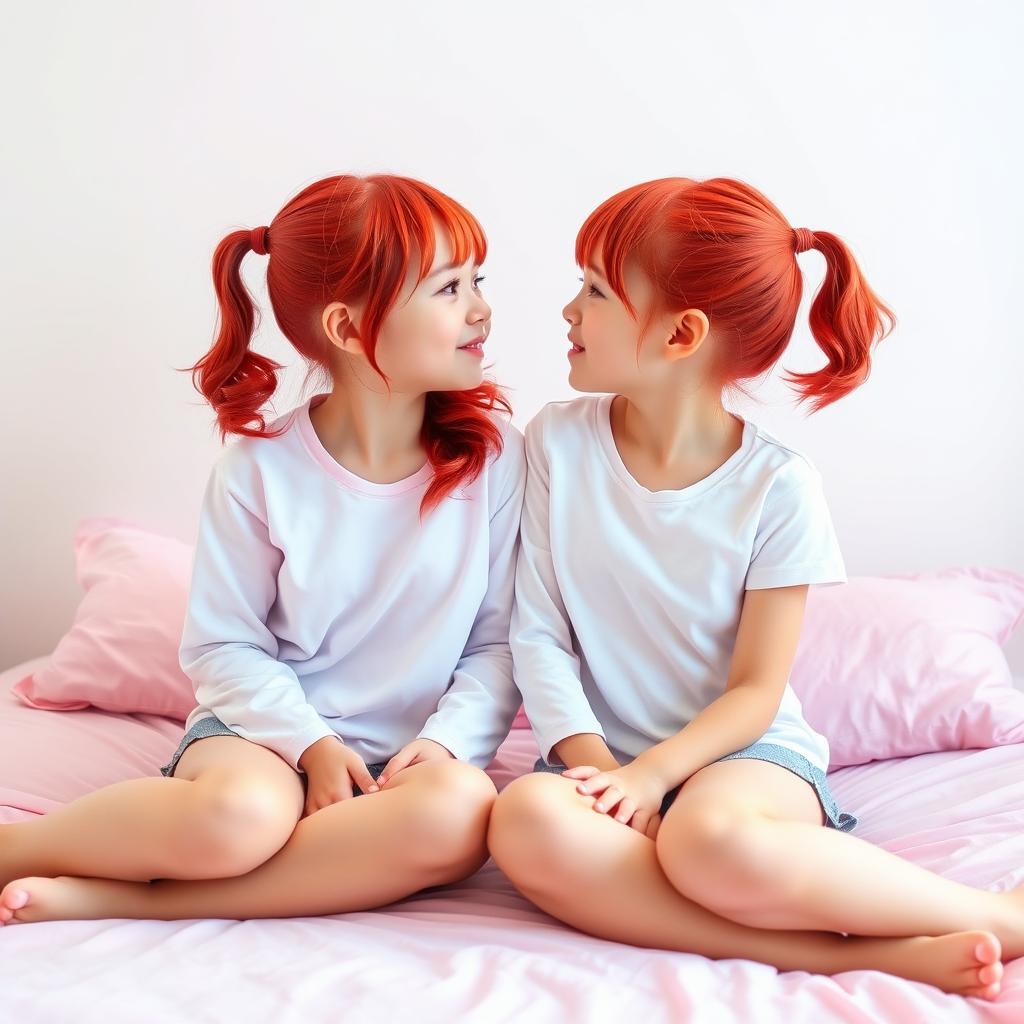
623, 227
412, 209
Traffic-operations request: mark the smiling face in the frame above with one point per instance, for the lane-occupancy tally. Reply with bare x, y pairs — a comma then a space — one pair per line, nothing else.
433, 337
613, 353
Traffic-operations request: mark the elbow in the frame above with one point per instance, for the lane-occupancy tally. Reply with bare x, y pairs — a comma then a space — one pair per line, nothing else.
763, 703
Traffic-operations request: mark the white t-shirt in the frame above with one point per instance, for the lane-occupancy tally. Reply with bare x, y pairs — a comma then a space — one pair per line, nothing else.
628, 600
320, 605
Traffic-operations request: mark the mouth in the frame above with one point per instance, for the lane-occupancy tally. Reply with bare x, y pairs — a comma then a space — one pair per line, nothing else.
576, 349
475, 346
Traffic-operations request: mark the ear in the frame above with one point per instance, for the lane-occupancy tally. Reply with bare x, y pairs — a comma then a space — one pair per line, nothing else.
339, 325
689, 329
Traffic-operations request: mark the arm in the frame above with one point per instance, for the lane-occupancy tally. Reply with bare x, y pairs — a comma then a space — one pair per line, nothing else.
766, 644
795, 546
546, 666
226, 648
475, 713
585, 748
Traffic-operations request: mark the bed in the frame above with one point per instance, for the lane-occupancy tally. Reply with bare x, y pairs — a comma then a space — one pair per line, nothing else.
475, 951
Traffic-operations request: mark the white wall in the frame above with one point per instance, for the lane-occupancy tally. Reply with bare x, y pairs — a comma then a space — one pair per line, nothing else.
136, 135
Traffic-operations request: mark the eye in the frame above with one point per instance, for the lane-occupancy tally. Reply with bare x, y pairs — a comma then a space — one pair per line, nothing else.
454, 285
595, 290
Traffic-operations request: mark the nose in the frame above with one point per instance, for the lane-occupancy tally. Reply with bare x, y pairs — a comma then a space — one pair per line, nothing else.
571, 314
480, 311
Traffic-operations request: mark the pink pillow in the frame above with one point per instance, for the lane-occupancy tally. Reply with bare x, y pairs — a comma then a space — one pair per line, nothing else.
887, 666
121, 653
891, 666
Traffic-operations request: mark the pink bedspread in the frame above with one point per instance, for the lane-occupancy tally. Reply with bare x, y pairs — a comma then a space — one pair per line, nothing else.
478, 951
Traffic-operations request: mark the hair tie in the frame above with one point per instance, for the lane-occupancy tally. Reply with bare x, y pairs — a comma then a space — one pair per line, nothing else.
258, 241
804, 239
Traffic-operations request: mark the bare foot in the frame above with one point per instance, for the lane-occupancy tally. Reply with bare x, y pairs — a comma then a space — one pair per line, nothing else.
964, 963
64, 898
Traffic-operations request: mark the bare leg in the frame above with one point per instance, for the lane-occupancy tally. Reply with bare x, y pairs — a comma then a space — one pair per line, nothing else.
230, 805
866, 890
426, 827
119, 828
604, 878
726, 839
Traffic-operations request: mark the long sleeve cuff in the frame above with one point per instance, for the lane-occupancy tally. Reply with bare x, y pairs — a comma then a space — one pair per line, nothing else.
296, 744
449, 740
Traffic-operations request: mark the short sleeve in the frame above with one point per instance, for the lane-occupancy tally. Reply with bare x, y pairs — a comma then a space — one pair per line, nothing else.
795, 542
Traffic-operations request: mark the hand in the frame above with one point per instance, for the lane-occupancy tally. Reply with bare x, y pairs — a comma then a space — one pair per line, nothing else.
411, 753
331, 768
631, 794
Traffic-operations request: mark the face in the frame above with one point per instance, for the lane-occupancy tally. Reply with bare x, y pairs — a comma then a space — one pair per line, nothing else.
433, 337
603, 354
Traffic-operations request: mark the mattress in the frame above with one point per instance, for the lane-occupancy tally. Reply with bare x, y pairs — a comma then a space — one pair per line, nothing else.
477, 951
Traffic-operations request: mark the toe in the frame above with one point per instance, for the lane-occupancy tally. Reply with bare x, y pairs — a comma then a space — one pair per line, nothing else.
990, 973
14, 899
988, 950
985, 992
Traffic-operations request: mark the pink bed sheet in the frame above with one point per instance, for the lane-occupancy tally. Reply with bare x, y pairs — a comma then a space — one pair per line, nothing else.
477, 951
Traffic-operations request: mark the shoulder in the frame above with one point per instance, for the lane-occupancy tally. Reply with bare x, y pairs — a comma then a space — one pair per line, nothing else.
246, 466
511, 435
790, 486
787, 468
507, 467
512, 442
559, 420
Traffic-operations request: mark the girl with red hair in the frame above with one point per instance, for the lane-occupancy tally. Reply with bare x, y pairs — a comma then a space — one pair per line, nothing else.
347, 624
667, 547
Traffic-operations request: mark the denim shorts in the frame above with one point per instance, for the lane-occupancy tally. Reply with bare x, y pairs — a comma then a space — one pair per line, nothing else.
213, 726
777, 754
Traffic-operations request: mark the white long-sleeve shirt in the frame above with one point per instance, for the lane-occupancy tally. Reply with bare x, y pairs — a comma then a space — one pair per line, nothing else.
320, 605
628, 600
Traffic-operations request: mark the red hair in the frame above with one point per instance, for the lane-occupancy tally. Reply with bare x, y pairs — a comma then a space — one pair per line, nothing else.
348, 239
720, 246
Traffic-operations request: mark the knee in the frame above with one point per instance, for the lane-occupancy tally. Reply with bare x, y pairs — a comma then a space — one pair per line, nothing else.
716, 856
235, 827
447, 832
528, 834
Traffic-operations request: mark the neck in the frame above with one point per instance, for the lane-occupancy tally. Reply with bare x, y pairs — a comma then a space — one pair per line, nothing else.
670, 426
373, 430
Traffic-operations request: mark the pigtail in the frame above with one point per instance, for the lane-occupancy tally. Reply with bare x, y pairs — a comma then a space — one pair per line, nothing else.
236, 381
722, 246
846, 319
346, 238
